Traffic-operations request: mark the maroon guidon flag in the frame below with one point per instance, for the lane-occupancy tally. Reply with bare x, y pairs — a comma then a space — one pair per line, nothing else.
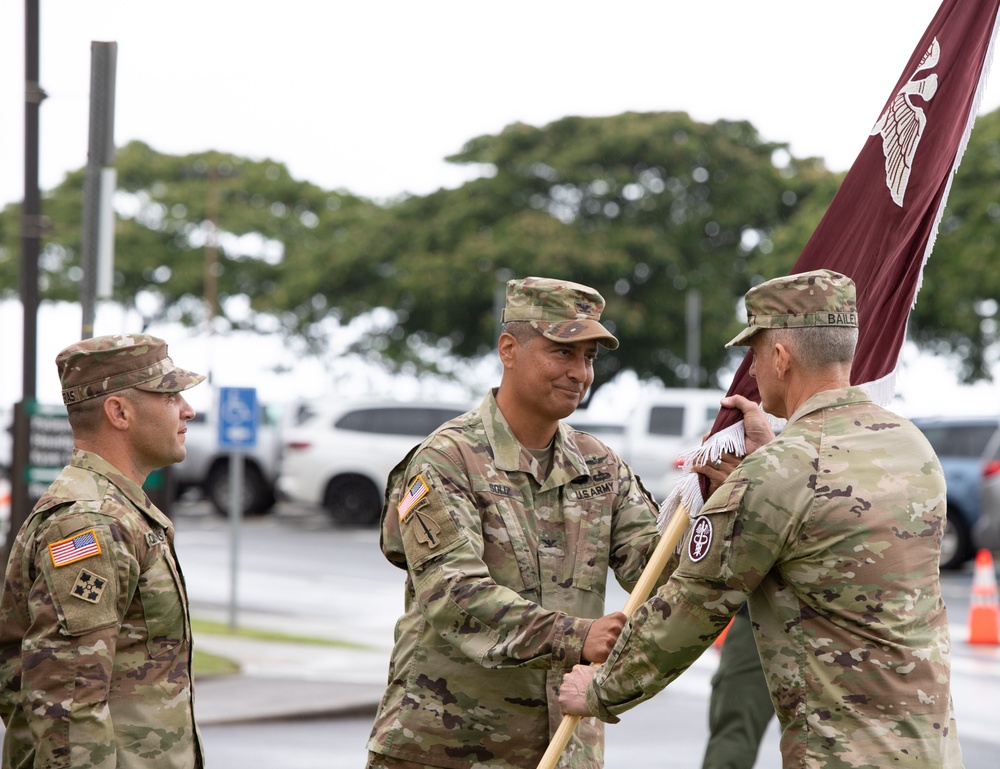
881, 225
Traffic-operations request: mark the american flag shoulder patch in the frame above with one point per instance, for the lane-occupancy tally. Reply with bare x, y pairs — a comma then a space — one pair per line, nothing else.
75, 549
417, 491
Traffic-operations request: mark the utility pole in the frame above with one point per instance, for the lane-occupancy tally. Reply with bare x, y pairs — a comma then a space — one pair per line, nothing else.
97, 254
32, 227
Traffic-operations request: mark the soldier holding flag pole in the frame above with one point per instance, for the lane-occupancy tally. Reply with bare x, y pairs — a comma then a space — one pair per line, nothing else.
831, 531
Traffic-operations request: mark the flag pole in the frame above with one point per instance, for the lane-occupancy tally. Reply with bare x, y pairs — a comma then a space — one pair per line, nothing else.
675, 529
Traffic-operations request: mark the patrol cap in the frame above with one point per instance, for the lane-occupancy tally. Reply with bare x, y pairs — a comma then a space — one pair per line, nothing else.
559, 309
816, 298
107, 364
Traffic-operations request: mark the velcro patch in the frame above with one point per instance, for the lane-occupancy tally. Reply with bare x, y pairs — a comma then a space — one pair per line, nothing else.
502, 490
75, 549
417, 491
596, 490
701, 538
89, 587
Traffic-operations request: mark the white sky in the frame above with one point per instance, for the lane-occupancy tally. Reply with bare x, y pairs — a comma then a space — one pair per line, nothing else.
371, 96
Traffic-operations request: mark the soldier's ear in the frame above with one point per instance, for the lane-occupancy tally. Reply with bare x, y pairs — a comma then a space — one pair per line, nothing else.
118, 410
507, 347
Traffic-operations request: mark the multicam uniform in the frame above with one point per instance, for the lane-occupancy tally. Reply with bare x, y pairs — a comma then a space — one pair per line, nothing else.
506, 570
95, 639
833, 530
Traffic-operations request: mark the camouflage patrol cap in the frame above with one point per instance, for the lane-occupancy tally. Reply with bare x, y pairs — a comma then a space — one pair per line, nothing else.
816, 298
560, 310
107, 364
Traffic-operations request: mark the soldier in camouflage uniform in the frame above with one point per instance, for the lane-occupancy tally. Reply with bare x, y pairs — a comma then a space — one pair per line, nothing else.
506, 521
95, 638
832, 530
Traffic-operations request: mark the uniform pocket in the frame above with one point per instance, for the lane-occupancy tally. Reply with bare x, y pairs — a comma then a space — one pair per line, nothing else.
588, 509
162, 608
506, 550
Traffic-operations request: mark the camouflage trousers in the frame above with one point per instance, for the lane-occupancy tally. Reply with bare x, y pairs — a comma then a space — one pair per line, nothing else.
378, 761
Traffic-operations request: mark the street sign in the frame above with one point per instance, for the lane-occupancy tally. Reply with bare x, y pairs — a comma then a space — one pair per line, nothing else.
50, 445
237, 418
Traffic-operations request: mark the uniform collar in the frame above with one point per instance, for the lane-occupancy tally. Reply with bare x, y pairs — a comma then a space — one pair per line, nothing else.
567, 460
94, 463
842, 396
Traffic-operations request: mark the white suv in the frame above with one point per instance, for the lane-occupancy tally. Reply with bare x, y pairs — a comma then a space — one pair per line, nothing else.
206, 466
339, 456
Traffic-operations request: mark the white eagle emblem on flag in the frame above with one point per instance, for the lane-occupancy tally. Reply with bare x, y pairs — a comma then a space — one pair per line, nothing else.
902, 124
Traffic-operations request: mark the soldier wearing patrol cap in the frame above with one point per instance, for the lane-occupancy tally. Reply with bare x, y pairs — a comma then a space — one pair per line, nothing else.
831, 531
95, 638
506, 521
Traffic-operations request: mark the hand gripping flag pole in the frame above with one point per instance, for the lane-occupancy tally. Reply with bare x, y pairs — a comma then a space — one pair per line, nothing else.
675, 529
879, 230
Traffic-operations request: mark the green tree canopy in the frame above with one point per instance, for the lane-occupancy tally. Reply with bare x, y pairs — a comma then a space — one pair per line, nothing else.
644, 207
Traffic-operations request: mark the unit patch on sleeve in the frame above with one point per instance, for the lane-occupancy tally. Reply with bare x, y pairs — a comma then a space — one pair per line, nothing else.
417, 491
75, 549
89, 587
701, 538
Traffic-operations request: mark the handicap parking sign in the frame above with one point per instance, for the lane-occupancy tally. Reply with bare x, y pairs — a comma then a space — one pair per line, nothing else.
237, 418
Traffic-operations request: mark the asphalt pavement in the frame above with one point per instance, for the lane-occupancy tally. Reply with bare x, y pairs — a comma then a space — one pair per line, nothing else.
361, 597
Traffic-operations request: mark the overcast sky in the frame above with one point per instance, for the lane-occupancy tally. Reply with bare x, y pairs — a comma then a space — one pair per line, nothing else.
371, 95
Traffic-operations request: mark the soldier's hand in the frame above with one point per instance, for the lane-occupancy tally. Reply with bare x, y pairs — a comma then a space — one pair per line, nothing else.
755, 425
717, 472
573, 692
602, 636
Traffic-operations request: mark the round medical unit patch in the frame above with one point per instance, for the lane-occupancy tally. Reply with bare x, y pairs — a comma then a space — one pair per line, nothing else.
701, 538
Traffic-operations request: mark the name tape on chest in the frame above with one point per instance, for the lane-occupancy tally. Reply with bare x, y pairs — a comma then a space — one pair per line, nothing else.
75, 549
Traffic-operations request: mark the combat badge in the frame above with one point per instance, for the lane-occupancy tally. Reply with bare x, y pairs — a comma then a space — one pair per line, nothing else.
89, 587
426, 530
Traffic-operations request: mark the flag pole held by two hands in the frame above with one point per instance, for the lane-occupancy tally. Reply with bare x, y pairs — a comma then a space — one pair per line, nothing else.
675, 529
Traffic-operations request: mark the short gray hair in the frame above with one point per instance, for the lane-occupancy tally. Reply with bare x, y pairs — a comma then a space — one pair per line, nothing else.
819, 346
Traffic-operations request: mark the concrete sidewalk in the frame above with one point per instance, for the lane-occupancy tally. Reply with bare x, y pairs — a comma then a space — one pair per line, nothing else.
285, 680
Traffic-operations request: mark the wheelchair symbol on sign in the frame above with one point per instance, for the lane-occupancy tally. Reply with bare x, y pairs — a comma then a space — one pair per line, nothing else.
236, 418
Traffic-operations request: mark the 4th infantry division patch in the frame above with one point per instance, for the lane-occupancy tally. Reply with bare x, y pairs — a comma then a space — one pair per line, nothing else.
89, 587
75, 549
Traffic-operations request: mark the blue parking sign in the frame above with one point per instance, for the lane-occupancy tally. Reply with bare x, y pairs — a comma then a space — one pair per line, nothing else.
237, 418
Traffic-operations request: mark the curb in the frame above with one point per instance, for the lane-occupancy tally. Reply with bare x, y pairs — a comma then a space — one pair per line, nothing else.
243, 699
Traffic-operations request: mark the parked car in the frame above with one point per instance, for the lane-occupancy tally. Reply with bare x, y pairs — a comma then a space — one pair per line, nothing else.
339, 455
658, 429
206, 466
959, 443
986, 532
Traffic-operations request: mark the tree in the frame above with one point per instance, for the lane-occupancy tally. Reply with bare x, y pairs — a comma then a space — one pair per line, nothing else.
641, 206
644, 207
170, 208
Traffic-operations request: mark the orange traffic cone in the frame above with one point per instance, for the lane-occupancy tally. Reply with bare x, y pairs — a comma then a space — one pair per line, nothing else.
984, 610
